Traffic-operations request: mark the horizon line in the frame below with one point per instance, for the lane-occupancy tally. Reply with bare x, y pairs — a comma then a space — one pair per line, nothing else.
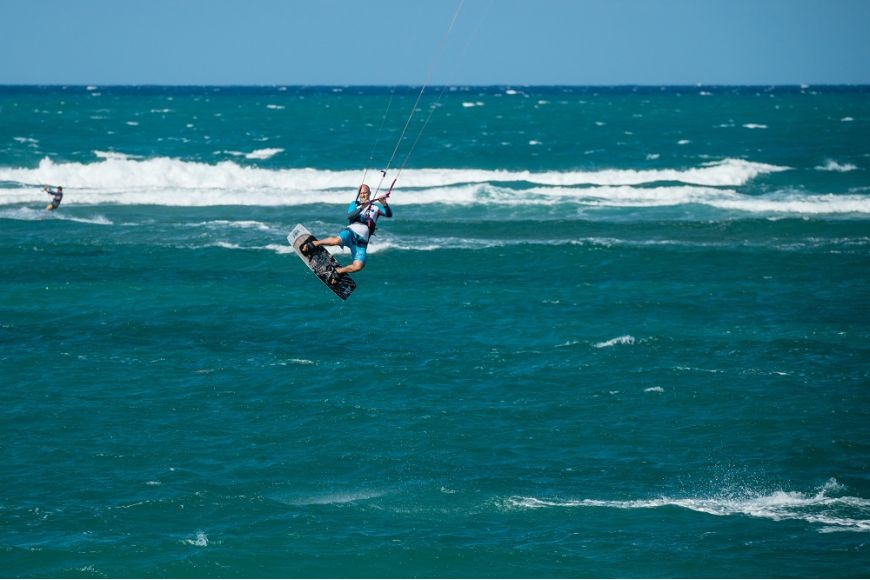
449, 85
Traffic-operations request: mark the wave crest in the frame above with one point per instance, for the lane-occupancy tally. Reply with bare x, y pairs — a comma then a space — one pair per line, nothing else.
120, 172
119, 179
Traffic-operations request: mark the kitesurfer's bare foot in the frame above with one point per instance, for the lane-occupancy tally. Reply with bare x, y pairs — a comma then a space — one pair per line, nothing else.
307, 247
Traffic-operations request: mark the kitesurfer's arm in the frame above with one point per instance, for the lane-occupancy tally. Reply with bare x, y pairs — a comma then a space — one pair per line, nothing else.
354, 210
386, 210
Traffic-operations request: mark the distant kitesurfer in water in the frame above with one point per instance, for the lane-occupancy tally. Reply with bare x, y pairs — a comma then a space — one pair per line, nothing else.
362, 216
58, 196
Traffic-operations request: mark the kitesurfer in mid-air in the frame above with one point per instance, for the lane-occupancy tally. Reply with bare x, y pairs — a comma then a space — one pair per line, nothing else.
362, 217
58, 196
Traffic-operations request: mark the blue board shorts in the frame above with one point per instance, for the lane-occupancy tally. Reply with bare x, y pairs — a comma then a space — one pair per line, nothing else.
356, 244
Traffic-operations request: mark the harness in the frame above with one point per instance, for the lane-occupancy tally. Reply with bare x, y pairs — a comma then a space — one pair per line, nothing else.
367, 219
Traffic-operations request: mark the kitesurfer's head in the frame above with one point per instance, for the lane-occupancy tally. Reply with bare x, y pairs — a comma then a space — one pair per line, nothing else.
364, 192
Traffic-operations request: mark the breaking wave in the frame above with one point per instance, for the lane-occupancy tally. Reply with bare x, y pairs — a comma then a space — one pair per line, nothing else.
118, 179
116, 172
825, 507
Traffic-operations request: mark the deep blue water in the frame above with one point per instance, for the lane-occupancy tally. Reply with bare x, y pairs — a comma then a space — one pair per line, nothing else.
610, 332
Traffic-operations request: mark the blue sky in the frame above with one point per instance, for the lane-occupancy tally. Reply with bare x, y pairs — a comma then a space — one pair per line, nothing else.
384, 42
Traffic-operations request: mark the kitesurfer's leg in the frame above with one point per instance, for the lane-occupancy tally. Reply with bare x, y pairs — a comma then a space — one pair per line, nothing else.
309, 245
354, 266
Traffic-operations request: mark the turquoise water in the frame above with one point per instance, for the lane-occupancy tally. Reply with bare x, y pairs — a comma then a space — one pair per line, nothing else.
610, 332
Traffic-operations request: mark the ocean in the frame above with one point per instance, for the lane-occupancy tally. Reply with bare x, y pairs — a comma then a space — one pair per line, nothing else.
608, 332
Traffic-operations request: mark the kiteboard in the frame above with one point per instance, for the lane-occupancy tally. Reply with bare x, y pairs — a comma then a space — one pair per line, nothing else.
321, 262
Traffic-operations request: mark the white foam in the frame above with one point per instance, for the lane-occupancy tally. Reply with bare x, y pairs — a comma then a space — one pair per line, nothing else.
226, 245
121, 172
831, 165
626, 339
119, 179
98, 220
25, 214
754, 126
429, 244
200, 540
115, 155
799, 204
843, 513
278, 249
785, 203
263, 153
30, 214
333, 498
